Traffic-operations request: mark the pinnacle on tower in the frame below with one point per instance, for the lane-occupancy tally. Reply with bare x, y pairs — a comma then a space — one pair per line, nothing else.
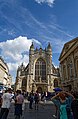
32, 46
31, 51
49, 46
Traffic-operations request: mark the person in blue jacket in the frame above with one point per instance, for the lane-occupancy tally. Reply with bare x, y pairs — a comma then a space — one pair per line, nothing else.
63, 101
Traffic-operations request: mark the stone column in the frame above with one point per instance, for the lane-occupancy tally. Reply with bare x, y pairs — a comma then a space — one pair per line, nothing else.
74, 70
66, 70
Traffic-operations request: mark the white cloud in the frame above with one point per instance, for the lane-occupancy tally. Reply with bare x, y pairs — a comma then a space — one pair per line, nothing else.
14, 66
49, 2
13, 49
16, 51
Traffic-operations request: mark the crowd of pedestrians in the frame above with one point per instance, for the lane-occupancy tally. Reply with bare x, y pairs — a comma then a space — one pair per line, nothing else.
66, 103
5, 103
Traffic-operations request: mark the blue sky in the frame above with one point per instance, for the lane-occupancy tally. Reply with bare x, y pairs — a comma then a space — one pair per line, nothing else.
40, 21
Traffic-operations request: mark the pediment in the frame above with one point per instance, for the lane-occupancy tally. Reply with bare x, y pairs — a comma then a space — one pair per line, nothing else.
68, 46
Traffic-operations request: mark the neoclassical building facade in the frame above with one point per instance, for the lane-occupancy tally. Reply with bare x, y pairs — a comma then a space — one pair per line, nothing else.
69, 65
39, 74
5, 77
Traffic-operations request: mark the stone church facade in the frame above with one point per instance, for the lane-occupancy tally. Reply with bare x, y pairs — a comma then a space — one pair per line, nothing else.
69, 65
39, 74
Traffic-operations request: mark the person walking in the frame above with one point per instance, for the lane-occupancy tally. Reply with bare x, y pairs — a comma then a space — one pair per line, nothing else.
0, 101
6, 102
18, 104
31, 99
74, 105
36, 99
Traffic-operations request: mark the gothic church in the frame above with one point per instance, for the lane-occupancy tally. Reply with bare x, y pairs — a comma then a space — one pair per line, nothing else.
40, 74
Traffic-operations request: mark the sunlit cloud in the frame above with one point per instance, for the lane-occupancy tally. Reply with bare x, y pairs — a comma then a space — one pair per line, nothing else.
14, 48
49, 2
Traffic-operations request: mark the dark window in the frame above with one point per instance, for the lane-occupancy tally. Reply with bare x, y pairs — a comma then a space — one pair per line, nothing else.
55, 83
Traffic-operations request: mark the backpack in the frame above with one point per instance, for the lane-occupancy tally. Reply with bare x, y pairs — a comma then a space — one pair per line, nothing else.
36, 97
63, 111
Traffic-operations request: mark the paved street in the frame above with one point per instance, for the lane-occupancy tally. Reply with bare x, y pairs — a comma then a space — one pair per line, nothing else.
46, 110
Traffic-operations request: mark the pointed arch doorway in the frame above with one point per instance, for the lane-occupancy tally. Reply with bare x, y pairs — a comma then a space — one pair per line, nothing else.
39, 89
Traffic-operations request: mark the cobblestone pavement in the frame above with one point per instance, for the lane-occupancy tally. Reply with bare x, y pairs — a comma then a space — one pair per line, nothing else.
45, 111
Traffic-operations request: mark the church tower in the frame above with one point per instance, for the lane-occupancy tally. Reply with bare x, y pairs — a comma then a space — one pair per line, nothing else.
31, 59
49, 59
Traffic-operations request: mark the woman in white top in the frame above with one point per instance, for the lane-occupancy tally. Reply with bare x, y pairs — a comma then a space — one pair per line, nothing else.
6, 102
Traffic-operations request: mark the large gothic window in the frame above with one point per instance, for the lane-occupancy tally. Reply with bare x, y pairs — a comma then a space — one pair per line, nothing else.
40, 70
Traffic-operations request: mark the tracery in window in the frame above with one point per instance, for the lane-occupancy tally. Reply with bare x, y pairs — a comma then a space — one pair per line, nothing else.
40, 69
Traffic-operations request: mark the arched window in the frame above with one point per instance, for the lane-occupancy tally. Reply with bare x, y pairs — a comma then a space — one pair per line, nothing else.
55, 83
64, 72
24, 83
70, 69
40, 70
39, 89
76, 66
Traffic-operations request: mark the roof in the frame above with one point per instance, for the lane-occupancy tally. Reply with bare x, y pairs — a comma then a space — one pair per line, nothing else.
68, 46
